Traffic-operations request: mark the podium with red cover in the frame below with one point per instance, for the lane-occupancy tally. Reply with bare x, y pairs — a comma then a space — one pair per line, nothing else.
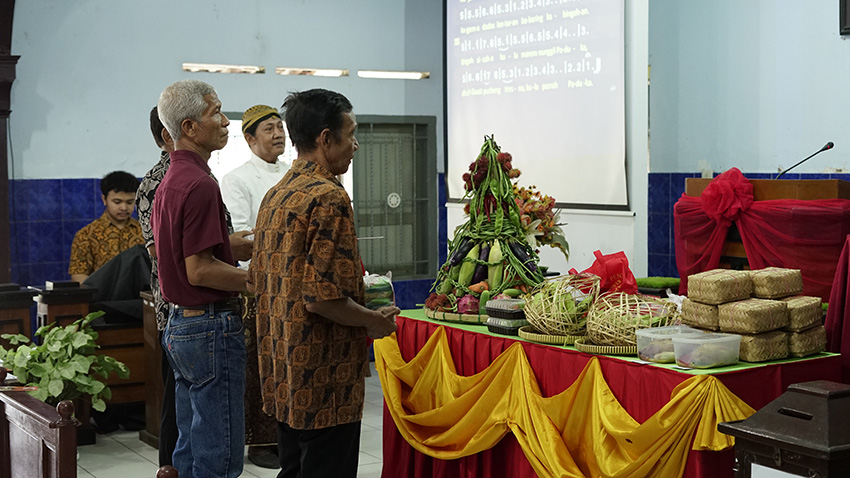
796, 224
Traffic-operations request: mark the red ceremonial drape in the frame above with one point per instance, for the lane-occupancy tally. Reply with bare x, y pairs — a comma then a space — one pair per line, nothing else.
838, 314
790, 233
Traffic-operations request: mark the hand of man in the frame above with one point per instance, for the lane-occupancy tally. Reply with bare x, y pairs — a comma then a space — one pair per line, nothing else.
241, 247
385, 325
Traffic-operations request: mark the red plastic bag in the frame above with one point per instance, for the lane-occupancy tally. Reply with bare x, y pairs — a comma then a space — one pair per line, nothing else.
613, 271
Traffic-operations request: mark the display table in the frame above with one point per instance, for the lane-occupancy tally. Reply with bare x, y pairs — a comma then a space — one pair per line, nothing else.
641, 389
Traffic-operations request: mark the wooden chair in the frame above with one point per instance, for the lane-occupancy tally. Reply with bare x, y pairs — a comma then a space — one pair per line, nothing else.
36, 440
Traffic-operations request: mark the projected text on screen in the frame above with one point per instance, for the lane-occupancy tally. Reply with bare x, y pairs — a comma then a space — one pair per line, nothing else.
545, 77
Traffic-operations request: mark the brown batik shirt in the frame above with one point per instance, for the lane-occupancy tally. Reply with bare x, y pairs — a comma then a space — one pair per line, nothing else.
98, 242
305, 250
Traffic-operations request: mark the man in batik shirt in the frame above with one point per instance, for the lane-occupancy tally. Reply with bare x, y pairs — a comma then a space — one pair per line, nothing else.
311, 322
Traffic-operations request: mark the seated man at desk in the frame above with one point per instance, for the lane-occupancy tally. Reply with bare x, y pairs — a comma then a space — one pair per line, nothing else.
104, 238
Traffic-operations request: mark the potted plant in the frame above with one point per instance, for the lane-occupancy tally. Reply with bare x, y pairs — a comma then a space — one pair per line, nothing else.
65, 365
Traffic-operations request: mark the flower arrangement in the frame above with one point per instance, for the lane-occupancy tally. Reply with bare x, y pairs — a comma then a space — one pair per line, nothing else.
540, 219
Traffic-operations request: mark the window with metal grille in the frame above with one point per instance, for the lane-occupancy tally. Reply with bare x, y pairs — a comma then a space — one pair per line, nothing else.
395, 195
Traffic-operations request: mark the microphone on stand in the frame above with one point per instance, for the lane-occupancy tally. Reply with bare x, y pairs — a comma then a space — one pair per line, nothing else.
825, 147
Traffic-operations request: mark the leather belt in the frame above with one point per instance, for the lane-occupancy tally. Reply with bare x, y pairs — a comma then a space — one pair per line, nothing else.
228, 305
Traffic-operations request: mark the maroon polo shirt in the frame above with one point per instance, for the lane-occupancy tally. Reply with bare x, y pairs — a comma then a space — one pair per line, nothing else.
187, 218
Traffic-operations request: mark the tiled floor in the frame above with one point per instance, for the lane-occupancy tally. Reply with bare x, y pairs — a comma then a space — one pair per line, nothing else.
122, 454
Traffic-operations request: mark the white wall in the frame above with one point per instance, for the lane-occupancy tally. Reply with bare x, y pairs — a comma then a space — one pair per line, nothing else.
90, 70
756, 84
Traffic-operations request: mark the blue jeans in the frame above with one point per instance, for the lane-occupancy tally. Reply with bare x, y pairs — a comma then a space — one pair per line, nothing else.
207, 353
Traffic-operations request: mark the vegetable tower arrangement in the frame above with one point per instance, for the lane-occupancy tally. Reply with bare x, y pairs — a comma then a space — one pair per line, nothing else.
490, 254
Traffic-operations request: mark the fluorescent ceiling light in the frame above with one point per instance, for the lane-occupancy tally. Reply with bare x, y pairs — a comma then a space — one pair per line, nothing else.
394, 75
331, 72
217, 68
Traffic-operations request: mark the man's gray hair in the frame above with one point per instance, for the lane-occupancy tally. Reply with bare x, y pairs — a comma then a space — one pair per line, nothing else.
182, 100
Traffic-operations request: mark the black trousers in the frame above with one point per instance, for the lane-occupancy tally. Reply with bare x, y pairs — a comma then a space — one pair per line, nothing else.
168, 418
327, 452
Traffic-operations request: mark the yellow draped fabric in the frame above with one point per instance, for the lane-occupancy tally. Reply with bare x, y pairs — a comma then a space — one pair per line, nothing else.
583, 431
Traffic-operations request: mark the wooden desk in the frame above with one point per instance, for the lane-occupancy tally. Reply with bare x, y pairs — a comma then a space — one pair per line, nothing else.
642, 389
15, 304
36, 440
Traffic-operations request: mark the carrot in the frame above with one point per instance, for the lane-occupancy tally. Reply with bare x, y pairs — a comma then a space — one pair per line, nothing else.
479, 287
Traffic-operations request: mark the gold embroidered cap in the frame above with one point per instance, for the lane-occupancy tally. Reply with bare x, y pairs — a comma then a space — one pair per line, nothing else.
255, 114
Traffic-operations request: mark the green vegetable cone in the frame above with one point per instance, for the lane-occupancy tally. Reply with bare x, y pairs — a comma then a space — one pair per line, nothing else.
493, 218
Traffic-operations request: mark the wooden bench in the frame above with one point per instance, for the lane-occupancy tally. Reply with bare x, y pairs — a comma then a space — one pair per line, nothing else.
36, 440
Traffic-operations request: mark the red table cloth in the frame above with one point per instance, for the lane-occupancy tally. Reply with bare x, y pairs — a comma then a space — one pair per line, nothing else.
641, 389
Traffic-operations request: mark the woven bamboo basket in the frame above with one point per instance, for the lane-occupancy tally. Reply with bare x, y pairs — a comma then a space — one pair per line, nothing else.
763, 347
807, 342
582, 345
559, 306
615, 316
697, 314
528, 332
803, 312
752, 316
775, 282
719, 285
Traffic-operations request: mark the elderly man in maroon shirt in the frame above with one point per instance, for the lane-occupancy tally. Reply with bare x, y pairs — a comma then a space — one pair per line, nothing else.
204, 336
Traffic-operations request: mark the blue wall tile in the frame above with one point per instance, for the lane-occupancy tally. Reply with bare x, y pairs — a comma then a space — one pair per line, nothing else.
20, 274
19, 201
672, 270
409, 293
45, 200
659, 193
45, 271
19, 242
660, 233
76, 199
657, 265
677, 185
45, 243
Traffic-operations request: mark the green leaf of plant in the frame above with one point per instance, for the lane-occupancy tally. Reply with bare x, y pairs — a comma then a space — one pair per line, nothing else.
37, 370
81, 364
40, 394
55, 388
80, 339
96, 387
98, 404
22, 357
66, 370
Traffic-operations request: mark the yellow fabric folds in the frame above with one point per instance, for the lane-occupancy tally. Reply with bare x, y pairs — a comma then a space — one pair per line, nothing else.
583, 431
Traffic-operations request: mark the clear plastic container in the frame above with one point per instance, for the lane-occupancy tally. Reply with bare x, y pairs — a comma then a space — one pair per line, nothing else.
707, 350
655, 344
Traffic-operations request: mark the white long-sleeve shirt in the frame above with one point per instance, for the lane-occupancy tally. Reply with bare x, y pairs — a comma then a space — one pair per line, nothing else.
243, 189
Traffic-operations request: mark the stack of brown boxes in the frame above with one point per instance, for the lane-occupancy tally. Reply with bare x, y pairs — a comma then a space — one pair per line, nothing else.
763, 306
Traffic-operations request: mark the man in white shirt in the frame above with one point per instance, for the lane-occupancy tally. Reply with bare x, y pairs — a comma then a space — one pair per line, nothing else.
242, 191
243, 188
